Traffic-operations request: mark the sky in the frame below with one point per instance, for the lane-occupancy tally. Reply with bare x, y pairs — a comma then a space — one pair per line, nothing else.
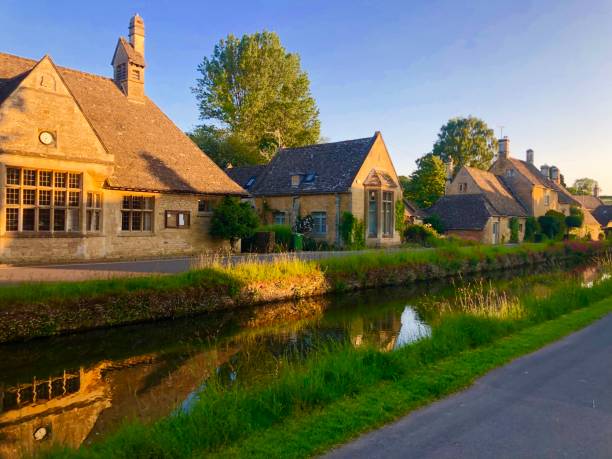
542, 69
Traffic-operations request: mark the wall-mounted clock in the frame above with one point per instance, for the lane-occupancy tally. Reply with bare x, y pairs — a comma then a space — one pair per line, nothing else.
46, 138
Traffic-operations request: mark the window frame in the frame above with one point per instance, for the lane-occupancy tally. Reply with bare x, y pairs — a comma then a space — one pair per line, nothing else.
388, 213
131, 212
276, 214
373, 217
321, 217
36, 216
208, 207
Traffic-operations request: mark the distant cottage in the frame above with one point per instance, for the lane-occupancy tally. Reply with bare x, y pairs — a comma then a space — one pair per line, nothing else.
479, 204
325, 180
90, 167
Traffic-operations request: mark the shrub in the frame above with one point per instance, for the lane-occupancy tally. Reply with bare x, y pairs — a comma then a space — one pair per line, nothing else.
421, 234
553, 224
282, 235
351, 231
400, 218
435, 222
575, 219
233, 220
514, 230
312, 245
303, 225
532, 227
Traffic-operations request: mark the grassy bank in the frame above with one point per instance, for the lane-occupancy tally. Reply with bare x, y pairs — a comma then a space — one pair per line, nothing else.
44, 309
341, 392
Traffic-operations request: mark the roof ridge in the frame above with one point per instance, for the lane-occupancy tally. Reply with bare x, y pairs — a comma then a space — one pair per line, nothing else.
327, 143
59, 67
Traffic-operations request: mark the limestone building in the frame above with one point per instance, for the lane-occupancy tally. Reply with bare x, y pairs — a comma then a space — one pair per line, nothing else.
91, 168
325, 180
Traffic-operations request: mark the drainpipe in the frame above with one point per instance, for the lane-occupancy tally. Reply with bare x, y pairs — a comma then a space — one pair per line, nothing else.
338, 219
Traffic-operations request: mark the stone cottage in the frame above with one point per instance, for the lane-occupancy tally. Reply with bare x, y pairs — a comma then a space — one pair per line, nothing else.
91, 168
479, 204
325, 180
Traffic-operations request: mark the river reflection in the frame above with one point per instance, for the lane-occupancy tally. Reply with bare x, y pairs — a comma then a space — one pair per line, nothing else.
75, 389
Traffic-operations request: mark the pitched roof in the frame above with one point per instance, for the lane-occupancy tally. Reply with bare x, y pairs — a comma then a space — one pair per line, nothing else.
133, 56
589, 202
413, 209
151, 152
332, 167
463, 211
498, 195
603, 214
242, 175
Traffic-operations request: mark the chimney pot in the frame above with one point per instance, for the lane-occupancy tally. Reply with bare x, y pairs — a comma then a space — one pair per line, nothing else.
596, 191
555, 175
530, 156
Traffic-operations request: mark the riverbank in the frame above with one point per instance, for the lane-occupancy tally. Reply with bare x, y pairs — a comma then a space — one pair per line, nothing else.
342, 391
45, 309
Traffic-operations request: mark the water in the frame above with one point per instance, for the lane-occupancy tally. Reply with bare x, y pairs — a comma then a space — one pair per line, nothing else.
79, 388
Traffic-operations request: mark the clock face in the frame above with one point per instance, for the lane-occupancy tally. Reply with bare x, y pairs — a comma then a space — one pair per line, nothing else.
46, 138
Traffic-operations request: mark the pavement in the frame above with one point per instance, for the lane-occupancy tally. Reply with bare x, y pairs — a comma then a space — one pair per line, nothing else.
556, 402
10, 274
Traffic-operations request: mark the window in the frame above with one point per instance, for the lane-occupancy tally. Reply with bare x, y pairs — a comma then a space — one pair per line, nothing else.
520, 227
120, 72
372, 214
204, 205
280, 218
463, 187
250, 182
42, 200
387, 213
177, 219
94, 212
319, 222
295, 180
547, 199
137, 213
510, 173
310, 178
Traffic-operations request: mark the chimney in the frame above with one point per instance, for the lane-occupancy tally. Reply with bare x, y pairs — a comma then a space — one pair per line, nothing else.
504, 148
555, 176
129, 63
545, 170
137, 34
596, 190
530, 156
449, 174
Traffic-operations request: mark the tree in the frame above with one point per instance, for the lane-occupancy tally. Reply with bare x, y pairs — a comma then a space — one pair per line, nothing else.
468, 141
258, 92
583, 186
435, 222
514, 230
404, 183
224, 148
233, 220
427, 183
575, 219
553, 224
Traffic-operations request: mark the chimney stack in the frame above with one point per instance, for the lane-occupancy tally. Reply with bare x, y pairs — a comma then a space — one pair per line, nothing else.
545, 170
449, 174
555, 176
530, 156
137, 34
596, 190
504, 148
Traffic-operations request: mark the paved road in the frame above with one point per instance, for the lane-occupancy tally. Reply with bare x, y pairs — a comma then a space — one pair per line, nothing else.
554, 403
97, 270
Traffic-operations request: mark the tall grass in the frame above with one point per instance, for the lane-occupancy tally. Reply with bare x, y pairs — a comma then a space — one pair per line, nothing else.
223, 416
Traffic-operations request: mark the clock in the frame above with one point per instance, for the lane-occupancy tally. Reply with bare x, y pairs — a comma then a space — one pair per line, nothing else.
46, 138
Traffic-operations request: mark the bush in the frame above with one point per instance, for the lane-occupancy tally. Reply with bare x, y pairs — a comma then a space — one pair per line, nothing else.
435, 222
532, 227
553, 224
514, 230
575, 219
351, 231
312, 245
421, 234
282, 235
400, 217
233, 220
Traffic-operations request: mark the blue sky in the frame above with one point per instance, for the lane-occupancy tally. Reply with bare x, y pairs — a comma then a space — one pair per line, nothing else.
542, 69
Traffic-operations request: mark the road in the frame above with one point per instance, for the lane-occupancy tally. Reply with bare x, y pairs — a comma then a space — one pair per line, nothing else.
109, 269
554, 403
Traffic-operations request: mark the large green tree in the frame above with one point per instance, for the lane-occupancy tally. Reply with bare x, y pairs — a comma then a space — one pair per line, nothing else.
224, 147
583, 186
427, 182
256, 90
468, 141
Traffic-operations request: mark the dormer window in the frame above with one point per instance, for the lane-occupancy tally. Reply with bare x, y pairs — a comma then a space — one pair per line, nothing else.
463, 187
510, 173
310, 178
295, 180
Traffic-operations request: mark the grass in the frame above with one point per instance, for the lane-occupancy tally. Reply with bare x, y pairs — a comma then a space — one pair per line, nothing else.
342, 391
